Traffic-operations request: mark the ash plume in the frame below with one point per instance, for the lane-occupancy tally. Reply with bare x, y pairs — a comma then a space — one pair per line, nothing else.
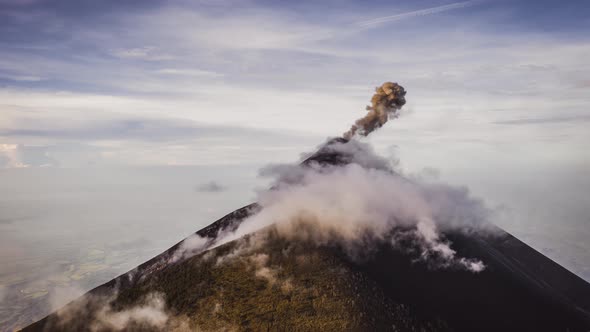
387, 100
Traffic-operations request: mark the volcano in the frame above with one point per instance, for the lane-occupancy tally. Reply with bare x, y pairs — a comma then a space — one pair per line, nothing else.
282, 284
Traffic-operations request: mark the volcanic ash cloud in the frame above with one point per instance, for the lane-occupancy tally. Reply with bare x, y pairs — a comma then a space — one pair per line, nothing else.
385, 103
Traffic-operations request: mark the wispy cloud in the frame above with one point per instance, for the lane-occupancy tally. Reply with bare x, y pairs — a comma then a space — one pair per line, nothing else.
148, 53
188, 72
21, 78
129, 128
422, 12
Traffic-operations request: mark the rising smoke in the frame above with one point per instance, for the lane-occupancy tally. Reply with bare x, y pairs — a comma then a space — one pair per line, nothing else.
385, 103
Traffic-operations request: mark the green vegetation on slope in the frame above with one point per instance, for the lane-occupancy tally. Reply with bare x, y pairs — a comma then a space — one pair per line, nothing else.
259, 283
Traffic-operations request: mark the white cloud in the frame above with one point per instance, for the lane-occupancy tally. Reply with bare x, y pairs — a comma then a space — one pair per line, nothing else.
151, 313
189, 247
234, 30
150, 53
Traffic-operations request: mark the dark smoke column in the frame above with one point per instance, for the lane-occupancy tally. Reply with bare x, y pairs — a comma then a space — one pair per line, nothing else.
387, 100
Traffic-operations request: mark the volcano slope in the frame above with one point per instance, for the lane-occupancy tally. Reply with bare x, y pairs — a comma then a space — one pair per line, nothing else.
263, 281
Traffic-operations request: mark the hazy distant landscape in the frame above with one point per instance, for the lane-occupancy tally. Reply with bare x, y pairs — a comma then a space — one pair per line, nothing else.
71, 230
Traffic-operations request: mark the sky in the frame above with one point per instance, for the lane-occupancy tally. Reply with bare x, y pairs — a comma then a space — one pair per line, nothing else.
90, 83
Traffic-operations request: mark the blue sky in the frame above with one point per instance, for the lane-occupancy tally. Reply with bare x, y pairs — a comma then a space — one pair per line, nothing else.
216, 82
